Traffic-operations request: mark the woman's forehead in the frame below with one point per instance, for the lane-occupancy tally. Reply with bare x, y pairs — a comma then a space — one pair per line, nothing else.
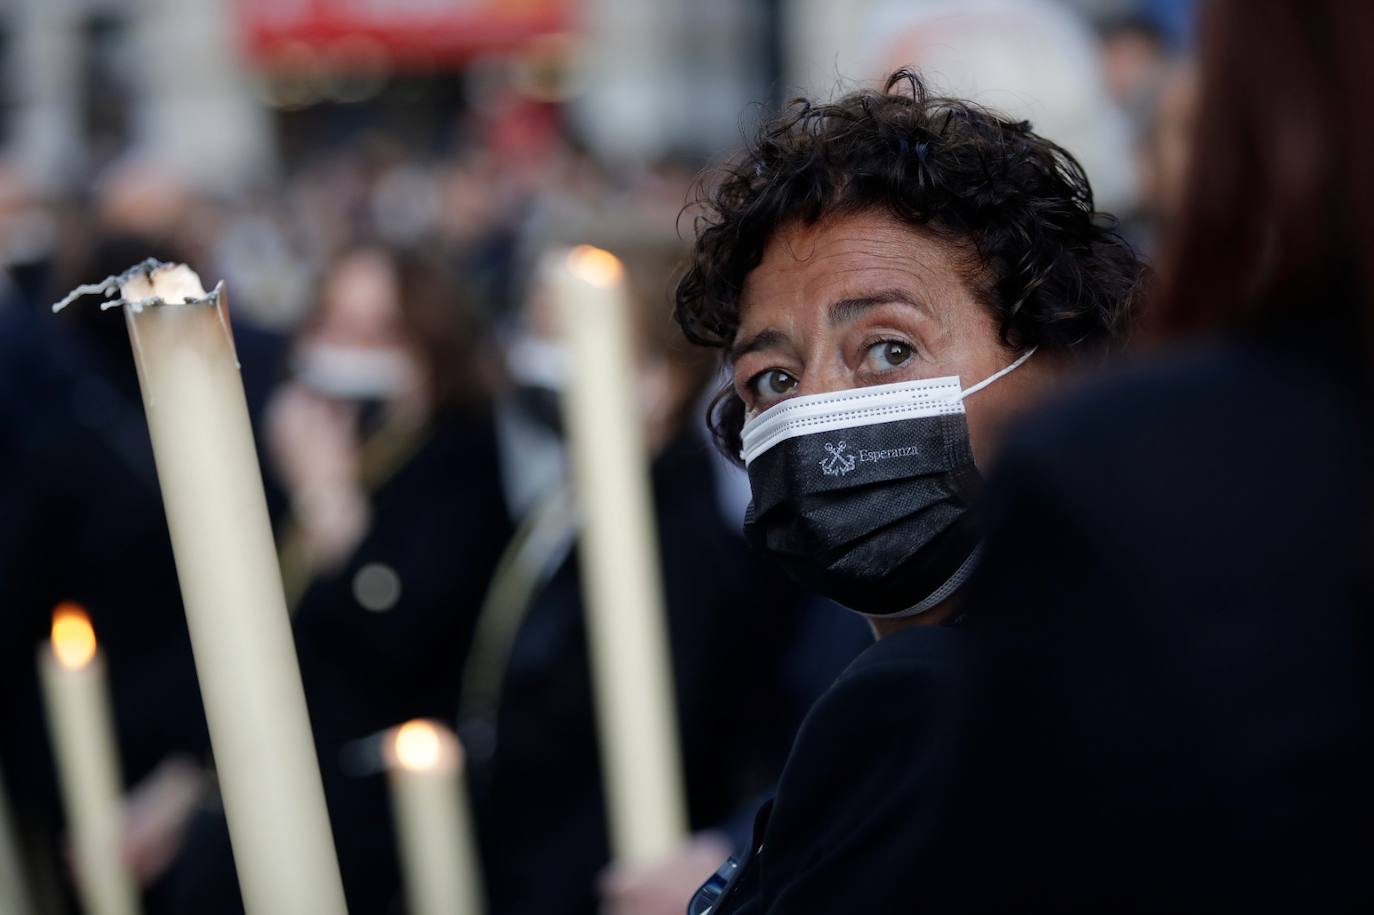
843, 257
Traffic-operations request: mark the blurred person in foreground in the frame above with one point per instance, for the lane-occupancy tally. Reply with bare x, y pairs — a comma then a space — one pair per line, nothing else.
382, 440
892, 278
737, 629
1184, 556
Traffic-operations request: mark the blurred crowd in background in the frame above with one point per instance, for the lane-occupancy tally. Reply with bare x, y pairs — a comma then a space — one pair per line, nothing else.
377, 184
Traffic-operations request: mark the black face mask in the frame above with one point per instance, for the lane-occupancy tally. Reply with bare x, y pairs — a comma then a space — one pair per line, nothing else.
867, 495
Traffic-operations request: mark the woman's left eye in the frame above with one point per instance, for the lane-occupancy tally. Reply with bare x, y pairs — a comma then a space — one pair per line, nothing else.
887, 355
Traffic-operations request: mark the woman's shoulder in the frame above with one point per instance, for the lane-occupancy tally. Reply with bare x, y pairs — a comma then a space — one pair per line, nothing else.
872, 729
903, 695
897, 696
853, 823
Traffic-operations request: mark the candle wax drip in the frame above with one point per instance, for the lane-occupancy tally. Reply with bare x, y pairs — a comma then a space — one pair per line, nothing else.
111, 284
144, 272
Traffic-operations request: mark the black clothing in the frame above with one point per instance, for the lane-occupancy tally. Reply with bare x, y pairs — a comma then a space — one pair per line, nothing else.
1184, 559
857, 821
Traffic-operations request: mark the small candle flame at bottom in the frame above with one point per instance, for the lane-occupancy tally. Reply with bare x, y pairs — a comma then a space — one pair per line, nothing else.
417, 746
73, 638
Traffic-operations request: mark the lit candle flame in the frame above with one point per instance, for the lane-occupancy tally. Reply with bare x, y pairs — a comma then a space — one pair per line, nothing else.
418, 746
595, 265
73, 639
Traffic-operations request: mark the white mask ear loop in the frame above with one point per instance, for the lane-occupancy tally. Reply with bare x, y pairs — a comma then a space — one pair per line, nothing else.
998, 374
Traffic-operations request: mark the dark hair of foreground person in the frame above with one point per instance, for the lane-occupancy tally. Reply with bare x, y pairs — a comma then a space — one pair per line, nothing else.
1278, 233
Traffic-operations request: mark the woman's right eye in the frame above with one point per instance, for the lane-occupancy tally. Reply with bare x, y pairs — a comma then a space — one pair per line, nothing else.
771, 385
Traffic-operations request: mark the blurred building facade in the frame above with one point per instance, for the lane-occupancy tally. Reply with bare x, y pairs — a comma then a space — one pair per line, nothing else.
200, 87
193, 85
90, 81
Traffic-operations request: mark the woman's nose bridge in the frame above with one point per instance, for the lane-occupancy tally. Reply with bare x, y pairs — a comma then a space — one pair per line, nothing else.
826, 369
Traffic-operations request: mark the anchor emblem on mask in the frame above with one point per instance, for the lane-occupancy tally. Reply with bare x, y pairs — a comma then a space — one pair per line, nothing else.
839, 463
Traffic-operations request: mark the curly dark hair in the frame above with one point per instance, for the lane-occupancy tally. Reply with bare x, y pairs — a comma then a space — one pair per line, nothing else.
1055, 273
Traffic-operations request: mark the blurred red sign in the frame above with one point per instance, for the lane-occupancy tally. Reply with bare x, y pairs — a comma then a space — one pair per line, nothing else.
411, 32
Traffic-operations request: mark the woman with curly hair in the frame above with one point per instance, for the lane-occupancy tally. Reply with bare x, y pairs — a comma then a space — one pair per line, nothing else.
891, 277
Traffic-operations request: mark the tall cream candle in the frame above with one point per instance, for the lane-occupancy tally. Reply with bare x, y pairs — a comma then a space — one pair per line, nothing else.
433, 824
626, 625
232, 589
77, 703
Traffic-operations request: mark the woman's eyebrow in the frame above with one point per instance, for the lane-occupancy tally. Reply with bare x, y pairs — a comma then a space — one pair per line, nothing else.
846, 310
764, 339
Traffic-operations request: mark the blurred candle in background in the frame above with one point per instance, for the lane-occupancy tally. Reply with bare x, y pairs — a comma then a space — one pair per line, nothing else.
14, 896
626, 624
77, 703
232, 589
433, 824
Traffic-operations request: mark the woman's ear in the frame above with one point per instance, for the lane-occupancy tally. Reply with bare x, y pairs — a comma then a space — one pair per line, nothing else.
1006, 399
725, 417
